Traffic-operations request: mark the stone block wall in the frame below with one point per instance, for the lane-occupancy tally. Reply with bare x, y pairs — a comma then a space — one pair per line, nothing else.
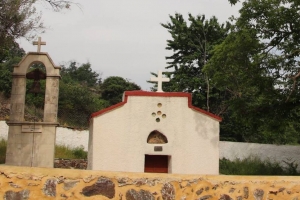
24, 183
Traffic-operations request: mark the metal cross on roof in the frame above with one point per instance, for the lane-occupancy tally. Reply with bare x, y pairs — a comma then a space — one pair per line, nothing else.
39, 43
159, 79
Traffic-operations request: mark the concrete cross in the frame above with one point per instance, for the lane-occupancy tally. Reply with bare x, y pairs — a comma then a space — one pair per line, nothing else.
159, 79
39, 43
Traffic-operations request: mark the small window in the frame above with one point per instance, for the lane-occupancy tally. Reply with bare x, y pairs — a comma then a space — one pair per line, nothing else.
156, 137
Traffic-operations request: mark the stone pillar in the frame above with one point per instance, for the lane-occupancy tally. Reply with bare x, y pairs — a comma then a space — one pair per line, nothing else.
18, 98
51, 99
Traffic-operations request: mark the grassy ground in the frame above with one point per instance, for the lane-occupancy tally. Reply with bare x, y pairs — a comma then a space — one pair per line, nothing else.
61, 151
65, 152
255, 166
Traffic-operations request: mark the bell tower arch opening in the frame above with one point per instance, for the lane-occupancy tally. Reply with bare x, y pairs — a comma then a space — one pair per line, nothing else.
35, 92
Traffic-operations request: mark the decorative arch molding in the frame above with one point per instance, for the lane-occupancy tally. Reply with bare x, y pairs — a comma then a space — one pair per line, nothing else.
156, 137
19, 87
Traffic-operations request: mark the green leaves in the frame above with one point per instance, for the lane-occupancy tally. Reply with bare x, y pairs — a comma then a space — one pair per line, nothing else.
113, 88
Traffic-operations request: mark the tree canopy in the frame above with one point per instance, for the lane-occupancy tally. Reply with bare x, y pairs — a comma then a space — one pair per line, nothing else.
247, 72
21, 19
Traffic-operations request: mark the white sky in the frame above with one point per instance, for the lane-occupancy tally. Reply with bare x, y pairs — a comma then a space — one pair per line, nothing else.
118, 37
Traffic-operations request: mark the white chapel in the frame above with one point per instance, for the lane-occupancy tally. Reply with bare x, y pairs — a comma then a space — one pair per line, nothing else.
159, 132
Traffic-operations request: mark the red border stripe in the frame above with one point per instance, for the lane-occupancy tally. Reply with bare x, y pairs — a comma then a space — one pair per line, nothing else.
156, 94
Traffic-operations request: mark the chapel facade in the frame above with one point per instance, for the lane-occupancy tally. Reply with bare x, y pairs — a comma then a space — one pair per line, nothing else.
154, 132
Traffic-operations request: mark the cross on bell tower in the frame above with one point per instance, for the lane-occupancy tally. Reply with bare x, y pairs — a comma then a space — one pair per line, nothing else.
39, 43
159, 79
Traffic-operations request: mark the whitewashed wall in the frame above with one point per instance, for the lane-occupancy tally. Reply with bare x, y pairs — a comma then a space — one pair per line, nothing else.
229, 150
278, 153
66, 136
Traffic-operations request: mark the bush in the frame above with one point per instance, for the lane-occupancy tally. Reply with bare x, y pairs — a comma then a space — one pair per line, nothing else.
65, 152
2, 150
255, 166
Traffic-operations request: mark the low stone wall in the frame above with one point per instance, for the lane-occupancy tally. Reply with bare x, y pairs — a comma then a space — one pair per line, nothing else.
44, 183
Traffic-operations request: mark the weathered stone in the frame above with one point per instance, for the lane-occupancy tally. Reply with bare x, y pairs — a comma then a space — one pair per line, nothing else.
184, 184
141, 181
258, 194
246, 192
14, 185
141, 195
215, 187
70, 184
225, 197
205, 197
124, 181
33, 184
50, 187
11, 195
103, 186
198, 192
239, 198
168, 192
231, 190
88, 179
281, 189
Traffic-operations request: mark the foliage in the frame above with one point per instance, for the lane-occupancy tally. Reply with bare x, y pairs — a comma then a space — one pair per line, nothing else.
3, 144
66, 152
191, 43
255, 166
258, 66
82, 74
18, 18
247, 70
79, 95
21, 19
6, 67
113, 87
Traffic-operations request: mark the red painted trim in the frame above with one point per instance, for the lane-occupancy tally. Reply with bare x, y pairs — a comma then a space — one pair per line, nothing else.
157, 94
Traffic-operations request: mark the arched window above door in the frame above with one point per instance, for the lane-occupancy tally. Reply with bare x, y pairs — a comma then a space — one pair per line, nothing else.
156, 137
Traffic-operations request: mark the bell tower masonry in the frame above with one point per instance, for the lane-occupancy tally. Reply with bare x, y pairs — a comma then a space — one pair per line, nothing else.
33, 143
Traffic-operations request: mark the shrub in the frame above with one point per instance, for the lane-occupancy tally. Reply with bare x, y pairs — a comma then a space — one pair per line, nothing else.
255, 166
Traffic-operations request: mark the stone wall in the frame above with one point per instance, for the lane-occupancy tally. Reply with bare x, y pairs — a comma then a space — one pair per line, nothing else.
24, 183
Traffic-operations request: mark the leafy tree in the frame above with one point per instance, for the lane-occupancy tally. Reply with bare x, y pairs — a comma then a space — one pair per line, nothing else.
19, 18
6, 68
76, 103
113, 87
82, 74
258, 65
191, 43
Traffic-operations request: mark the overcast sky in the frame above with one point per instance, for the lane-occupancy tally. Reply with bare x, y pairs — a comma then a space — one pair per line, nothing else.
118, 37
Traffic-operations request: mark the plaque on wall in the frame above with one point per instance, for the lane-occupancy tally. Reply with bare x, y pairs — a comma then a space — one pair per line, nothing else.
31, 128
158, 148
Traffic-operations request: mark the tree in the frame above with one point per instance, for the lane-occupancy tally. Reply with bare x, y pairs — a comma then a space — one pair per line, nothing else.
20, 18
191, 43
82, 74
113, 88
13, 56
258, 65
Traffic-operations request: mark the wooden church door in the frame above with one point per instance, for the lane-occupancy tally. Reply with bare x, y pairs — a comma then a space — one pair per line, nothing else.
156, 163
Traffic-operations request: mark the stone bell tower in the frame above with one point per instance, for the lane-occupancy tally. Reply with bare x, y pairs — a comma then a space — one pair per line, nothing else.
33, 143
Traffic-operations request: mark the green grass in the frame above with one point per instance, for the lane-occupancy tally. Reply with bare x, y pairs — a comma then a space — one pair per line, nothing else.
255, 166
61, 151
3, 144
65, 152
